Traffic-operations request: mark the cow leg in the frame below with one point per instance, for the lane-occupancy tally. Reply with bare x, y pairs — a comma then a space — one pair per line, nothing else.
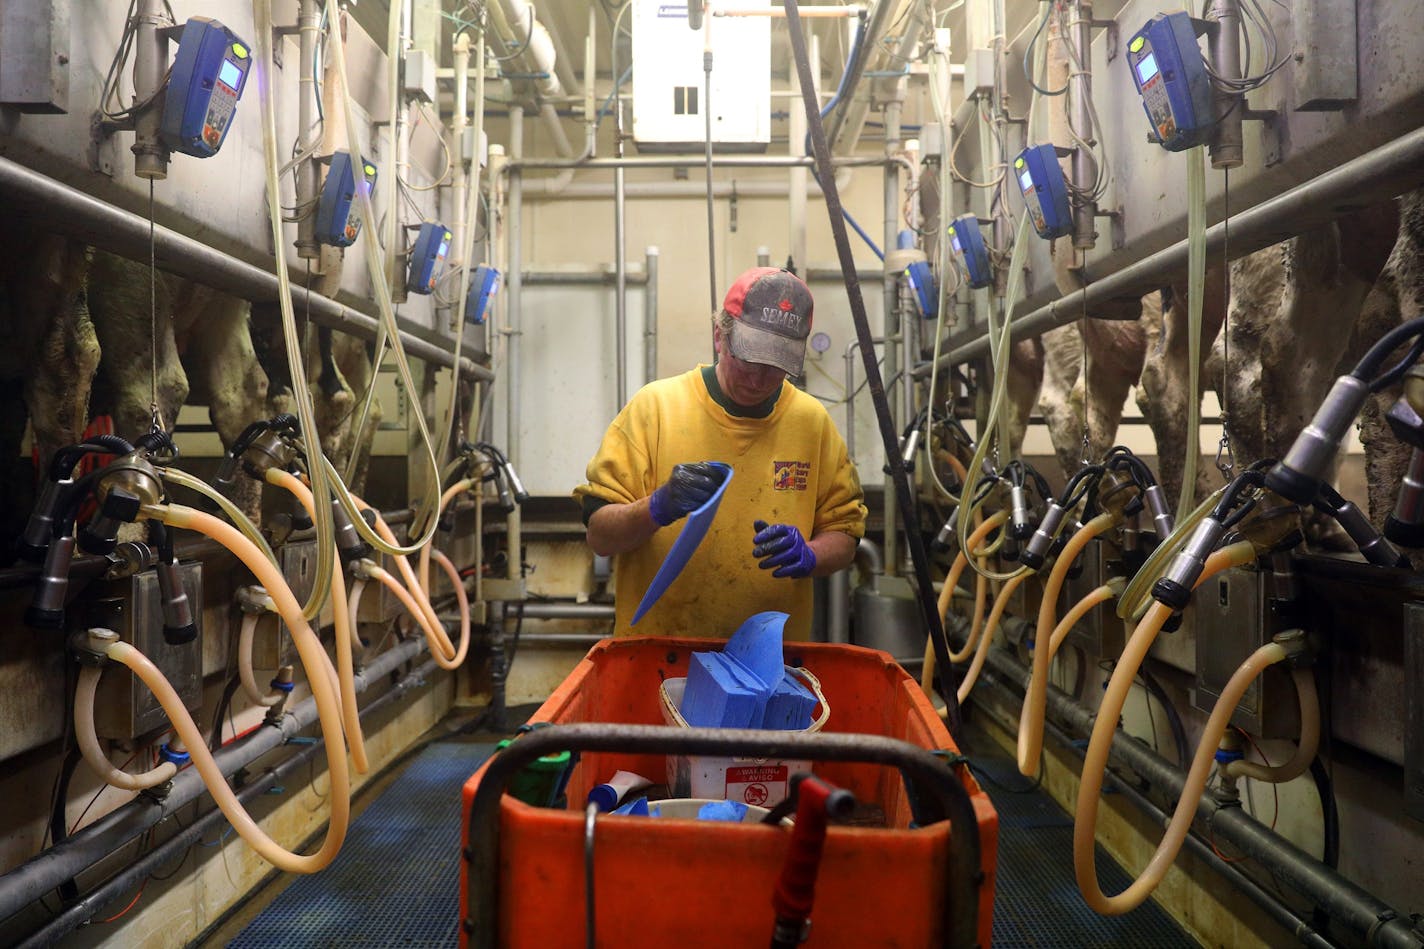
124, 321
1397, 296
1061, 400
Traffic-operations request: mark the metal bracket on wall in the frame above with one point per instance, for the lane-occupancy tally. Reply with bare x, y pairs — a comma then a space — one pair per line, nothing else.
1270, 133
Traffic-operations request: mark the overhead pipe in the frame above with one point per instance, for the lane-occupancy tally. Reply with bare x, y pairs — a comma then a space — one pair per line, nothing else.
557, 187
1224, 43
650, 315
1343, 900
692, 161
134, 873
85, 218
1080, 95
514, 285
308, 24
35, 877
150, 66
1378, 175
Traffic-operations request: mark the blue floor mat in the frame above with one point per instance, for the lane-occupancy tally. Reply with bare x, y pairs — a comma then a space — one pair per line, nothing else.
396, 881
1036, 902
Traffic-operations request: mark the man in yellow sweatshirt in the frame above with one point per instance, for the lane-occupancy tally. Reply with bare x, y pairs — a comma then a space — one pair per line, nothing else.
793, 510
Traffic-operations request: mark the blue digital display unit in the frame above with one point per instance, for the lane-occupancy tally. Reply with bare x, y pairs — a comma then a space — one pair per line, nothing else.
484, 284
967, 243
926, 287
427, 258
1172, 80
207, 78
338, 220
1045, 192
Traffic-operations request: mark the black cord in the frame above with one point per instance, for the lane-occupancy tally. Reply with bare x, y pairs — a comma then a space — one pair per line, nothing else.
1028, 56
1174, 720
1380, 351
1396, 372
68, 889
1330, 854
215, 739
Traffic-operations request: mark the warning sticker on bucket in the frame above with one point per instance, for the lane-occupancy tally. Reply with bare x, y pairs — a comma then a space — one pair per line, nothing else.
757, 784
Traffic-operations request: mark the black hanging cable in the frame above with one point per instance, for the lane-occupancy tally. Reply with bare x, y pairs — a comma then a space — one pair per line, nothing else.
904, 497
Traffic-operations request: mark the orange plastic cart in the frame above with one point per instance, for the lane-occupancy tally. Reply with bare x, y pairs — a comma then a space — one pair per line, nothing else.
925, 879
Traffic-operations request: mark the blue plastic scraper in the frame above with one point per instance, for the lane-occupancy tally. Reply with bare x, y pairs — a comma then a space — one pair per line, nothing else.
685, 546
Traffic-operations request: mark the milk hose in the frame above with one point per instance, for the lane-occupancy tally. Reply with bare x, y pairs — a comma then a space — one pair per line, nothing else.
345, 662
313, 659
434, 631
1095, 762
88, 738
381, 290
1000, 603
452, 492
240, 520
1308, 744
1137, 597
301, 390
946, 597
244, 665
1030, 743
422, 607
1102, 594
1196, 289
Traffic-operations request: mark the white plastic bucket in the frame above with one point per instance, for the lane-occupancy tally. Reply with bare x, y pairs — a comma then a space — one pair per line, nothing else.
759, 782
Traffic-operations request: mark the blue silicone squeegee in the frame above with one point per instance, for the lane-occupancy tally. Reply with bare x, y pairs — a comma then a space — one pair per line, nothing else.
685, 546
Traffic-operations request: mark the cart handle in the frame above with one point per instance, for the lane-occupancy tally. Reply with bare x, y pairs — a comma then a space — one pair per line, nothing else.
930, 775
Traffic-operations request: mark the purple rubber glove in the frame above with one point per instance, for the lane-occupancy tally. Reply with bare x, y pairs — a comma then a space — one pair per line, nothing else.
782, 547
686, 489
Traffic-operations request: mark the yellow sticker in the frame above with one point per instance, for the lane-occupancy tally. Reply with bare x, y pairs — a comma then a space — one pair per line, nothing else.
370, 169
449, 236
951, 230
239, 50
1137, 43
1018, 162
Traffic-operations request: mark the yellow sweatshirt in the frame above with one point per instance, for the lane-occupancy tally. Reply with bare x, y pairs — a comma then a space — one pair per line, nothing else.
791, 467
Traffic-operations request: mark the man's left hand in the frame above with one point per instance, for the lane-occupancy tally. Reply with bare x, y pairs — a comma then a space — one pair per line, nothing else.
782, 548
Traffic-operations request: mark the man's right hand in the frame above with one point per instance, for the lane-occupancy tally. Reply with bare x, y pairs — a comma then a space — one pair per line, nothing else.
686, 489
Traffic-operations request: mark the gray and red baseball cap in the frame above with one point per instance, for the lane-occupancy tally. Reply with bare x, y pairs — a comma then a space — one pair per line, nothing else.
771, 318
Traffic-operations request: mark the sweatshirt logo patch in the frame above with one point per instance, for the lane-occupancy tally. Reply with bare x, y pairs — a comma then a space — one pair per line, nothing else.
790, 475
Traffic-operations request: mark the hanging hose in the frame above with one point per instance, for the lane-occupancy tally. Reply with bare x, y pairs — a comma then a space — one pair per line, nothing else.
1196, 289
296, 368
1138, 596
1030, 743
345, 661
412, 584
240, 520
391, 330
1095, 763
244, 665
1306, 747
946, 598
1001, 602
314, 660
89, 741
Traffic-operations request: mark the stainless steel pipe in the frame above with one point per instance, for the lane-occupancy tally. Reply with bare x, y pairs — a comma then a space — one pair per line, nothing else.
47, 870
1379, 175
1345, 902
537, 609
83, 217
689, 161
